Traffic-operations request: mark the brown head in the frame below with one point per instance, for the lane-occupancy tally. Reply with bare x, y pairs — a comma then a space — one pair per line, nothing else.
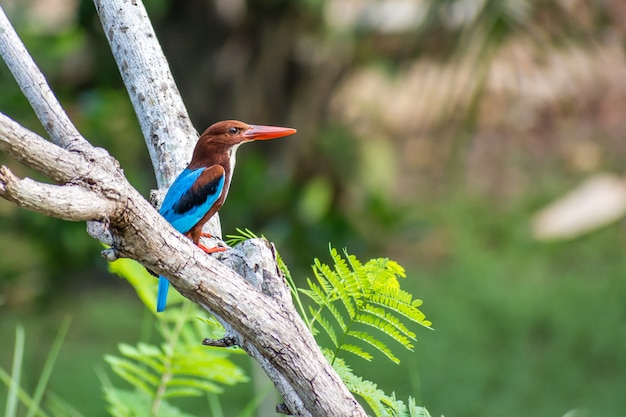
220, 141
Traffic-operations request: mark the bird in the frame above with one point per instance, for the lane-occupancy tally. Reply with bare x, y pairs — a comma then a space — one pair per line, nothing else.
202, 187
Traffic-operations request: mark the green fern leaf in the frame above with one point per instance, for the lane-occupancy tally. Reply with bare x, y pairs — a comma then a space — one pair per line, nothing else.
381, 404
337, 316
326, 278
328, 328
417, 411
200, 386
402, 307
384, 327
133, 374
348, 282
182, 392
242, 236
356, 350
389, 318
148, 355
341, 266
316, 294
371, 296
376, 343
360, 273
333, 284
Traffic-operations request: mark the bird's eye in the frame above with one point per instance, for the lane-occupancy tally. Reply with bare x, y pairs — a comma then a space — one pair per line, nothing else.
232, 130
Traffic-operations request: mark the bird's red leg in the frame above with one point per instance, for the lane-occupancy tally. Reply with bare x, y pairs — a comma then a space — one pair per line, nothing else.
211, 250
203, 234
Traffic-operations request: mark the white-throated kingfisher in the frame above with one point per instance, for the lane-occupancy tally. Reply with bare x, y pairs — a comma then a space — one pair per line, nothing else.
201, 189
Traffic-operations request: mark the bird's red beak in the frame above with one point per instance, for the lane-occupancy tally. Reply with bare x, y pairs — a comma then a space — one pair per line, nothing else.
257, 132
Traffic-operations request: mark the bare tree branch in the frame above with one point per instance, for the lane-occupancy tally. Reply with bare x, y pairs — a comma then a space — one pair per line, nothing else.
253, 302
36, 89
165, 124
162, 115
67, 202
35, 151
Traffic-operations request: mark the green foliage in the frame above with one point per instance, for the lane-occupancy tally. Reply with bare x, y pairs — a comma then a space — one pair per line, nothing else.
357, 297
124, 403
16, 394
178, 367
241, 236
379, 402
356, 302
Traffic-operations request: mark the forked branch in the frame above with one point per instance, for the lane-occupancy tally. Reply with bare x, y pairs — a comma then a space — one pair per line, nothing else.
256, 310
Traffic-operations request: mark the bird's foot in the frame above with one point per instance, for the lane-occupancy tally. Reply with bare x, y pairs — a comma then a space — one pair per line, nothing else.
204, 234
211, 250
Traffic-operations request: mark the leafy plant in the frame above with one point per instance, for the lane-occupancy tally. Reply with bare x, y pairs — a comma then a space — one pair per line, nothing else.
364, 302
359, 297
379, 402
354, 302
56, 407
180, 366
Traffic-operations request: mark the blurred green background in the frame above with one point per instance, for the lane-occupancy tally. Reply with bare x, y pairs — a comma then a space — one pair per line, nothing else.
430, 132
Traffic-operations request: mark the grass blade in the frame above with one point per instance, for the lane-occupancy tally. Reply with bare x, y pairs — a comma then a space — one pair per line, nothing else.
47, 369
16, 372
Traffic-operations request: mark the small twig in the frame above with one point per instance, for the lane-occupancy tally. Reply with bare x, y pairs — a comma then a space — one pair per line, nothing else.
223, 342
282, 409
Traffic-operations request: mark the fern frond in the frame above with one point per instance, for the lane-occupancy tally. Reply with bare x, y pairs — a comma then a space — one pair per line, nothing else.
356, 350
387, 317
123, 403
243, 235
349, 303
376, 343
417, 411
327, 279
381, 404
371, 296
385, 273
198, 385
341, 266
149, 355
315, 293
330, 331
360, 273
349, 282
182, 392
384, 327
133, 374
336, 285
401, 306
338, 317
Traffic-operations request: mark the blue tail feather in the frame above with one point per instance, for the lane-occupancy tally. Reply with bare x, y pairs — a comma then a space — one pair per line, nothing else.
164, 285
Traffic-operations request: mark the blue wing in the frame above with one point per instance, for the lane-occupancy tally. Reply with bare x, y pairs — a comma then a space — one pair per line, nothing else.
190, 197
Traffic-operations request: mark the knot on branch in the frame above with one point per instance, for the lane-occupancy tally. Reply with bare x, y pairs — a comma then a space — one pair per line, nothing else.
100, 230
255, 261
